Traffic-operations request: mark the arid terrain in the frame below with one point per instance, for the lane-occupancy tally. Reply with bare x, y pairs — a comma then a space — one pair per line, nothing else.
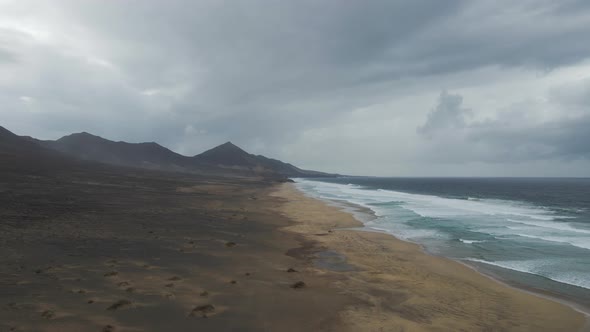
94, 247
104, 249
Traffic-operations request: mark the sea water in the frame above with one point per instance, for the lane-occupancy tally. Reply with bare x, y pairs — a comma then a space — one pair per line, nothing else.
531, 232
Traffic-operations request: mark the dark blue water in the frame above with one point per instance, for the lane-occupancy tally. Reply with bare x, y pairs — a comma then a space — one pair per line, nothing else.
533, 232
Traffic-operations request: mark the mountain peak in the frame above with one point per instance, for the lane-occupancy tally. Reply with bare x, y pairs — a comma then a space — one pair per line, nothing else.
226, 154
227, 147
81, 136
227, 157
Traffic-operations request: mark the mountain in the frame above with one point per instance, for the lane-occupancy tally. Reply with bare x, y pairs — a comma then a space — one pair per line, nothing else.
84, 152
290, 170
230, 155
20, 155
225, 158
144, 155
227, 155
11, 143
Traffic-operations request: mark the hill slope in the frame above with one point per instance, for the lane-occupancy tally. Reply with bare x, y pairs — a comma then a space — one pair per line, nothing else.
20, 155
224, 158
11, 143
144, 155
229, 155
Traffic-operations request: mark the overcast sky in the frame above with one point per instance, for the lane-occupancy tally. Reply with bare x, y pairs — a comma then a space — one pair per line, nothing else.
395, 88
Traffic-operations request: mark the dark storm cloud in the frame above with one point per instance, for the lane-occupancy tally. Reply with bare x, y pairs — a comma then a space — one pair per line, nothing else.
512, 136
310, 45
190, 74
449, 114
571, 6
563, 139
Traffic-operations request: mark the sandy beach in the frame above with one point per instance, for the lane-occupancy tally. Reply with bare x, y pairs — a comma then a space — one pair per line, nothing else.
405, 289
110, 249
294, 166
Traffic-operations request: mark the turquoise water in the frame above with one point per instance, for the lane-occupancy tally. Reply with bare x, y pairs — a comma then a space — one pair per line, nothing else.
533, 233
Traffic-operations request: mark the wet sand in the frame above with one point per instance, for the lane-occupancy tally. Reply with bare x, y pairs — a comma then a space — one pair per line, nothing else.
405, 289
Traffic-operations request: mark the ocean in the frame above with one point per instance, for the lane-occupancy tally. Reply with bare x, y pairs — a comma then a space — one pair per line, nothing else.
532, 233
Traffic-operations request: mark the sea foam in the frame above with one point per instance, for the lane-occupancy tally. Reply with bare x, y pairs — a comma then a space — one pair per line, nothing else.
509, 234
544, 268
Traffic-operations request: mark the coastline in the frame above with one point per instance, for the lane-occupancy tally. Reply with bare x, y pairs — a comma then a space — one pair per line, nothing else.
533, 291
216, 254
364, 214
408, 288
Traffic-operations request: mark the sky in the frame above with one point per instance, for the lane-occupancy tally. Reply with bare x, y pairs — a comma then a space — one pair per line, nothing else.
389, 88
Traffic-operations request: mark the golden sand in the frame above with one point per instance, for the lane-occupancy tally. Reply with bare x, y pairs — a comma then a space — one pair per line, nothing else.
402, 288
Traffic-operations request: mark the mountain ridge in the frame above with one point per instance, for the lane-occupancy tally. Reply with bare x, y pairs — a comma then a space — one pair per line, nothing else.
226, 157
91, 147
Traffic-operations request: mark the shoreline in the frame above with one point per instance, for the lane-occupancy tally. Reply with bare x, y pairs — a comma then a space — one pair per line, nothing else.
368, 215
172, 252
531, 290
515, 296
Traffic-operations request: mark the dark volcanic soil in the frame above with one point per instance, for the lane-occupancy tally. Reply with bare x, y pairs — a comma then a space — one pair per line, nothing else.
97, 248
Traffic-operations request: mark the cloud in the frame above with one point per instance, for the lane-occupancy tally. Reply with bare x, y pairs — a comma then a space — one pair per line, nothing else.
574, 94
270, 76
6, 57
448, 115
563, 139
515, 134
